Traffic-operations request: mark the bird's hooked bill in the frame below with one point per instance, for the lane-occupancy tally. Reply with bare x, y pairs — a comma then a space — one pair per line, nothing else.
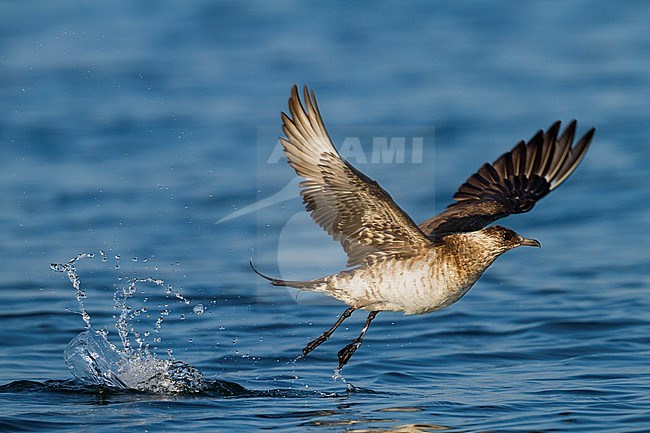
531, 242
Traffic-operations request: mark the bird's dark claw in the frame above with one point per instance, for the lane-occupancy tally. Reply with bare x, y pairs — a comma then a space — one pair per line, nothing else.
346, 353
314, 344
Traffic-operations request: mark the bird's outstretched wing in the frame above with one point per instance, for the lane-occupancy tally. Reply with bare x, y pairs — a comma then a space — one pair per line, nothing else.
513, 183
350, 206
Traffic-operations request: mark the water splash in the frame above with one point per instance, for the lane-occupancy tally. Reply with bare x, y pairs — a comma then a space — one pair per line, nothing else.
94, 360
71, 271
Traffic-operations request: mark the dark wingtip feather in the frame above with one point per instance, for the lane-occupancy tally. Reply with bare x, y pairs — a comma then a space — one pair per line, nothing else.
514, 182
576, 154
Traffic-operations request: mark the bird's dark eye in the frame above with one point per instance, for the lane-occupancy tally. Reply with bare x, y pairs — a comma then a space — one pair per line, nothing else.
508, 236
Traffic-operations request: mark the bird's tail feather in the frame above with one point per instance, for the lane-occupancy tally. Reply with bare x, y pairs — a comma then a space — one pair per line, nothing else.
302, 285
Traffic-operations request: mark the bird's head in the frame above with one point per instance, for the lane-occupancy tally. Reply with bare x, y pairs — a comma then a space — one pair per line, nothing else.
503, 239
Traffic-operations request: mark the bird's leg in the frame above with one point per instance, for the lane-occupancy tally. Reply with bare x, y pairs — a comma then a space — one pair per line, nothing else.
346, 353
320, 340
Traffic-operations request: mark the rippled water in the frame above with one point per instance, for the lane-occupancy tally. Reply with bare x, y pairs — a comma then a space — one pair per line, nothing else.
129, 130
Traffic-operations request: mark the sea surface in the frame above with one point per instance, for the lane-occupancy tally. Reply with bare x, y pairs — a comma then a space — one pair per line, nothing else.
143, 137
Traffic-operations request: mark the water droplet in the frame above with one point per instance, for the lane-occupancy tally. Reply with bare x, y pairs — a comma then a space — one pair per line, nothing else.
198, 309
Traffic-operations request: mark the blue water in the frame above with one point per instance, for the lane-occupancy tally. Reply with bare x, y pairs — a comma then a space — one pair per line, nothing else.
128, 130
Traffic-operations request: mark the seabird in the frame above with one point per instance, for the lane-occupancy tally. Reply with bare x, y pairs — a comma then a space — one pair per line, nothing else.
396, 264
